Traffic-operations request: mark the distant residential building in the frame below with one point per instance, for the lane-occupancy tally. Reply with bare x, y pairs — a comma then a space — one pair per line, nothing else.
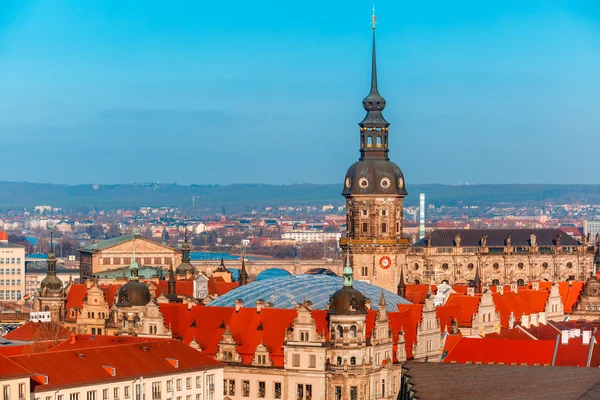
12, 270
311, 236
592, 228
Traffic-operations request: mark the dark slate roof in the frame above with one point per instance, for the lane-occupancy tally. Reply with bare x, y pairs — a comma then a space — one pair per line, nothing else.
496, 237
432, 381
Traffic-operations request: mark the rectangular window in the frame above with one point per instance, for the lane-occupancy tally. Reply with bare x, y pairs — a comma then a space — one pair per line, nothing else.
261, 390
6, 392
312, 361
198, 381
178, 384
74, 396
138, 392
277, 390
188, 383
116, 393
365, 271
246, 388
21, 390
188, 397
383, 227
126, 260
60, 397
338, 393
300, 392
157, 260
91, 395
365, 227
353, 392
126, 390
295, 360
147, 260
106, 261
19, 260
105, 394
232, 387
169, 385
156, 390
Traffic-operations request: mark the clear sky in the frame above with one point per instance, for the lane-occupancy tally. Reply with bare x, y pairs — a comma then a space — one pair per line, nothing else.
270, 91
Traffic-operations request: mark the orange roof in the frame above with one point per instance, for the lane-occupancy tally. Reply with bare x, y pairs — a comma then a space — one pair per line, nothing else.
85, 367
3, 236
182, 288
217, 286
502, 351
76, 296
463, 307
525, 301
573, 295
10, 369
95, 341
27, 332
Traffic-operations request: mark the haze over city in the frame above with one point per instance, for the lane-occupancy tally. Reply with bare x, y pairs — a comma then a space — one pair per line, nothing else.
269, 92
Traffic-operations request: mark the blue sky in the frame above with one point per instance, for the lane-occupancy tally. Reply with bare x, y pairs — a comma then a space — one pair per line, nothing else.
271, 91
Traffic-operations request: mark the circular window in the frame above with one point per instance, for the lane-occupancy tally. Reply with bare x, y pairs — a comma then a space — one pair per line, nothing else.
545, 265
348, 182
384, 212
444, 266
365, 212
520, 266
363, 183
496, 266
470, 266
401, 182
569, 265
416, 266
385, 183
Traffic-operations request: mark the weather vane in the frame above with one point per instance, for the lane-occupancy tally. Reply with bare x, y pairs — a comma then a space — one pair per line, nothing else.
373, 18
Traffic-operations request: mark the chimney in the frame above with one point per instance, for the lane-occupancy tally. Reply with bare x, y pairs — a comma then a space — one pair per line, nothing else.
238, 304
500, 289
587, 336
535, 285
73, 338
534, 319
564, 337
542, 318
525, 321
514, 287
259, 305
471, 291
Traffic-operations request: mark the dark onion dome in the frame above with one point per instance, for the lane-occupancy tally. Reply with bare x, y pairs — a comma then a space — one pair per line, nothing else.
51, 283
185, 266
348, 300
374, 176
134, 293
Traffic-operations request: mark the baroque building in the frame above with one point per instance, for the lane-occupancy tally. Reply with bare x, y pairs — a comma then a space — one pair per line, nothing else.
374, 189
51, 295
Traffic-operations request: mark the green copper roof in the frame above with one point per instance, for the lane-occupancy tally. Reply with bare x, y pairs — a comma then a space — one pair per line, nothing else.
109, 242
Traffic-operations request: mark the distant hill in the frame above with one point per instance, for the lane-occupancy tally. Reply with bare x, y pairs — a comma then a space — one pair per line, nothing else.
245, 197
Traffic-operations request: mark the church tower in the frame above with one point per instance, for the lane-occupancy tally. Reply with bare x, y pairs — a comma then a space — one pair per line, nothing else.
51, 295
374, 191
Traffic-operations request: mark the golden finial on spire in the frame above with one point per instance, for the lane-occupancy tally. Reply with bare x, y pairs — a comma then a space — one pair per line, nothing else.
373, 18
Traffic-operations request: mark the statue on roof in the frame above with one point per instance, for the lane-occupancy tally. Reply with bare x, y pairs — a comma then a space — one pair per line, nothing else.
532, 240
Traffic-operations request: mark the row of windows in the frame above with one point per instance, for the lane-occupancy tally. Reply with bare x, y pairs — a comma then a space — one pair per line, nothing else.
229, 389
383, 227
10, 295
312, 361
10, 271
496, 266
6, 392
142, 260
10, 260
10, 282
156, 391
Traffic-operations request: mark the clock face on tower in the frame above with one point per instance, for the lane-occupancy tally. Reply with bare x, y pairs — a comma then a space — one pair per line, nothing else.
385, 262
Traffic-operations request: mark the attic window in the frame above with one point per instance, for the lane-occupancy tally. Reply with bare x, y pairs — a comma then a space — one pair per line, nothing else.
173, 361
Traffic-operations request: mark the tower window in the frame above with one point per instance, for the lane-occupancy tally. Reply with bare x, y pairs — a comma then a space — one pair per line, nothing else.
370, 141
383, 227
365, 227
378, 141
365, 212
364, 271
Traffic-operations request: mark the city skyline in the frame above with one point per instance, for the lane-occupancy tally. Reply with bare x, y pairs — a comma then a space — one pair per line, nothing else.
133, 98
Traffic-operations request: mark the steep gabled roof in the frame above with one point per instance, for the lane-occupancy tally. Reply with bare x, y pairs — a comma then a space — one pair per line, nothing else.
27, 332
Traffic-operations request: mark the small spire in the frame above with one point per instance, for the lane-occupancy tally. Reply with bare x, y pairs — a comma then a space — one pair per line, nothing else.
373, 18
348, 272
401, 285
243, 276
133, 267
382, 302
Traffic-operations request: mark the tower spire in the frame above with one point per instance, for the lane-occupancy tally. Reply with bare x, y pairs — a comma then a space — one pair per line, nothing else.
347, 272
51, 262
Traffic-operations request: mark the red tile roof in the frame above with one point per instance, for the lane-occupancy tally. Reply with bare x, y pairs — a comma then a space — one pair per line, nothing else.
461, 307
218, 287
96, 341
502, 351
10, 369
85, 367
182, 288
76, 295
27, 332
3, 236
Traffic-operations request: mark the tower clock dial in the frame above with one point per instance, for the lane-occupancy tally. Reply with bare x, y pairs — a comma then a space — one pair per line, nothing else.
385, 262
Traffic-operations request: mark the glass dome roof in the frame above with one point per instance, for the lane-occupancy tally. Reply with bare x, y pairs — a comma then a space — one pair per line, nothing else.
286, 292
272, 273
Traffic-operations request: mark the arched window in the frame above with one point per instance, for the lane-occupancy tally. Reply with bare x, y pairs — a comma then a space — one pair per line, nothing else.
136, 321
125, 322
496, 266
545, 265
417, 282
89, 315
378, 141
353, 331
569, 265
444, 266
370, 141
416, 266
340, 331
520, 265
352, 360
520, 282
93, 314
339, 361
470, 266
495, 282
